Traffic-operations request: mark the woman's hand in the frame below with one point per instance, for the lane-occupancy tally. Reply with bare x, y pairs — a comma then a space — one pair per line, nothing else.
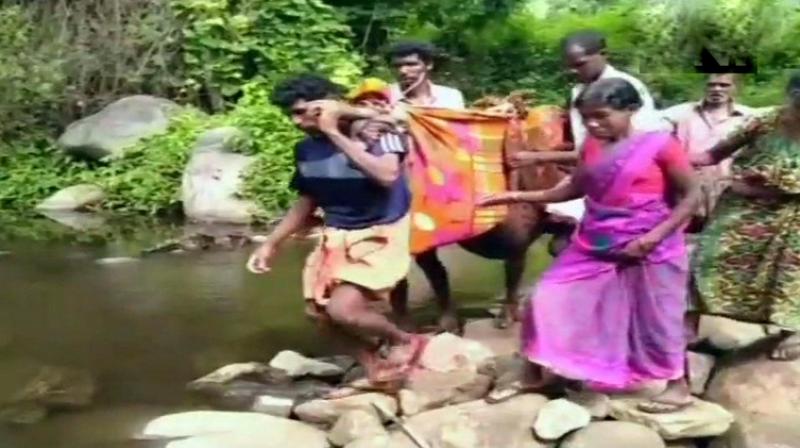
640, 247
508, 197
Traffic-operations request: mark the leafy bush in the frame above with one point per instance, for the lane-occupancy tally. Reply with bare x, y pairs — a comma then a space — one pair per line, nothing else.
32, 170
60, 59
147, 178
660, 40
227, 44
270, 137
29, 76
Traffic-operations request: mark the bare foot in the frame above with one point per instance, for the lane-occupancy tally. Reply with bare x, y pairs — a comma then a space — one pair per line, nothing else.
675, 397
406, 355
788, 349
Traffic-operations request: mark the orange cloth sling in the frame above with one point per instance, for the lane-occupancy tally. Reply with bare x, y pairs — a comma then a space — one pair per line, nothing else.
456, 158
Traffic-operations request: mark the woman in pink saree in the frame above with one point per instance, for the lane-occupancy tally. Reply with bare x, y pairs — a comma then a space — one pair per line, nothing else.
609, 312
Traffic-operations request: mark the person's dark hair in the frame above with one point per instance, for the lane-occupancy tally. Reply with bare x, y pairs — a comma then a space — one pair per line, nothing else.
307, 87
424, 50
615, 93
794, 81
592, 42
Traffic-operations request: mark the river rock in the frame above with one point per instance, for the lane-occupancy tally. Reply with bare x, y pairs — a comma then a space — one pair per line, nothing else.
257, 438
728, 334
275, 399
598, 404
328, 411
80, 221
447, 352
426, 390
499, 341
212, 180
118, 126
682, 444
700, 367
355, 425
109, 261
381, 441
74, 198
344, 362
254, 371
613, 435
463, 432
560, 417
764, 396
505, 424
500, 366
214, 429
29, 390
296, 365
701, 419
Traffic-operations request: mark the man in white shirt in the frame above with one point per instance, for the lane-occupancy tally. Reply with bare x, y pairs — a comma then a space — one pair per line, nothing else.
585, 57
412, 63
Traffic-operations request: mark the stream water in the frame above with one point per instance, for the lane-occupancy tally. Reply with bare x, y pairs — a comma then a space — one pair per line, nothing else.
145, 328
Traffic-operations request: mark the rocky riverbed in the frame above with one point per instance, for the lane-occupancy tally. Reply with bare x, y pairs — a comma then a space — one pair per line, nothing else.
742, 400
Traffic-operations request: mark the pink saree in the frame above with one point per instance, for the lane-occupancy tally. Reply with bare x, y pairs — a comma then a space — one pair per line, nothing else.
596, 317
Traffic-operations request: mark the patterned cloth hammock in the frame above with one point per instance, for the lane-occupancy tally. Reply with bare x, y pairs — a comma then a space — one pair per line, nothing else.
457, 158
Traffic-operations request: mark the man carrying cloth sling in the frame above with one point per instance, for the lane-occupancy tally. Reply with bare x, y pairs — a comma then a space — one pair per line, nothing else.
364, 247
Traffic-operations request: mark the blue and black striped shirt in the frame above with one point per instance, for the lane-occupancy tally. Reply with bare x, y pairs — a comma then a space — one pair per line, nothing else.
349, 198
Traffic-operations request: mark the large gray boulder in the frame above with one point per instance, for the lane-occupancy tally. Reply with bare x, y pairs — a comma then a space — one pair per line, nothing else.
212, 180
764, 396
118, 126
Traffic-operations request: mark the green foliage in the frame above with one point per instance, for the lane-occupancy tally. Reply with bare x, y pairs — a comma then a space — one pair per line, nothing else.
27, 78
147, 178
62, 58
227, 44
32, 170
271, 138
660, 40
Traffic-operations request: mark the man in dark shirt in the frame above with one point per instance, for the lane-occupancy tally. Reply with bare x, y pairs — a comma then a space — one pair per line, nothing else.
364, 247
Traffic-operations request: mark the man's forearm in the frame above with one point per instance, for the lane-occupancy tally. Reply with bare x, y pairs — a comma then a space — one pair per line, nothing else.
559, 156
294, 220
566, 190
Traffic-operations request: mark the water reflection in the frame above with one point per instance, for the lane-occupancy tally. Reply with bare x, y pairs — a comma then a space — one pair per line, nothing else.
145, 328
